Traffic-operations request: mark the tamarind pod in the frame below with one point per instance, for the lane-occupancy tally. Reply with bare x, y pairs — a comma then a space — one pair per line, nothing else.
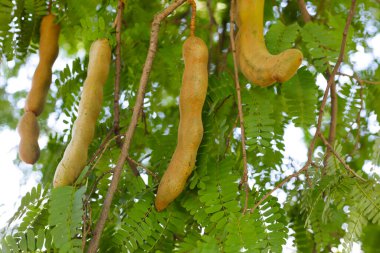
48, 52
253, 58
75, 156
190, 130
28, 129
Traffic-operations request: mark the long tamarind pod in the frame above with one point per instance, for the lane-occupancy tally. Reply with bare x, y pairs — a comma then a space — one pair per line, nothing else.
190, 130
29, 150
75, 156
28, 129
48, 52
254, 60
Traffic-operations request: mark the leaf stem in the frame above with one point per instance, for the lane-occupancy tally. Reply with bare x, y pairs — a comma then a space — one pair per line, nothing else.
240, 107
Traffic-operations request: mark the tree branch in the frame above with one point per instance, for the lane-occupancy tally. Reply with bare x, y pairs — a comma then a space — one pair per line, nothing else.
305, 14
116, 106
321, 109
346, 166
49, 6
240, 107
357, 78
137, 164
131, 129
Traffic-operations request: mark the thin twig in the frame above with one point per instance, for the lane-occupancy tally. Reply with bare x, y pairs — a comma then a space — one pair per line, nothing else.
333, 120
131, 129
221, 104
137, 164
116, 106
321, 109
308, 180
293, 165
143, 118
86, 219
316, 166
49, 6
101, 154
357, 137
304, 168
240, 108
228, 140
98, 152
346, 166
97, 182
221, 58
84, 228
305, 14
86, 205
101, 147
132, 165
357, 78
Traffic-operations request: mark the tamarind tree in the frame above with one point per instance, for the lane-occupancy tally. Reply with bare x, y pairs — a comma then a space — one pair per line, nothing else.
230, 202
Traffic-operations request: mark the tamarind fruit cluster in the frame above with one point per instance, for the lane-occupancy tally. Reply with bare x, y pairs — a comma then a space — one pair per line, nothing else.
75, 155
190, 130
28, 129
253, 58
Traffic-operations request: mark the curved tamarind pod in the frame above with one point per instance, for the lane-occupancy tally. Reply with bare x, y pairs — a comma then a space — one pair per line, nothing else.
75, 156
190, 130
48, 52
29, 150
254, 60
28, 129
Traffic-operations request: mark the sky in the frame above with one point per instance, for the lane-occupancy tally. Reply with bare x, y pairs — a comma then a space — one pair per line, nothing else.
17, 179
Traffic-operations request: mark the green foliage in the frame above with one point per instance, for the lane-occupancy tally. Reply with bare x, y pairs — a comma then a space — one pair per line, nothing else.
303, 239
245, 232
69, 82
300, 94
321, 44
366, 207
325, 208
218, 191
259, 123
281, 37
274, 222
19, 26
32, 206
66, 212
370, 238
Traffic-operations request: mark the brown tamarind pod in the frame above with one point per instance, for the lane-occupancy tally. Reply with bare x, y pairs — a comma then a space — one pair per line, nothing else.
190, 130
48, 52
75, 156
29, 150
253, 58
28, 129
